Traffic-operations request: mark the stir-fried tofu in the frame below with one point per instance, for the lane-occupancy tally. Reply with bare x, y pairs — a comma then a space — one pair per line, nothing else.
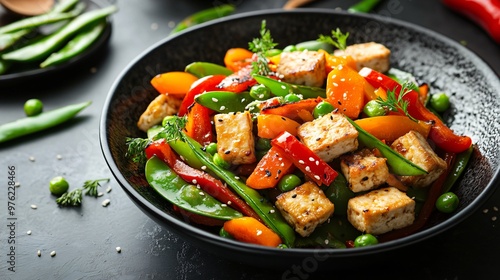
235, 141
329, 136
414, 147
381, 211
364, 171
163, 105
372, 55
305, 207
303, 68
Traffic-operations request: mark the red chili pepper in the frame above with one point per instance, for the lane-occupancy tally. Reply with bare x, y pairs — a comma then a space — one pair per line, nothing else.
239, 81
440, 134
208, 83
485, 13
305, 159
212, 186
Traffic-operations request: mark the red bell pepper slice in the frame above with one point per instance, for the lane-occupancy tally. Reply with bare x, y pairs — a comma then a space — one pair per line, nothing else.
305, 159
239, 81
211, 185
208, 83
440, 134
199, 125
299, 111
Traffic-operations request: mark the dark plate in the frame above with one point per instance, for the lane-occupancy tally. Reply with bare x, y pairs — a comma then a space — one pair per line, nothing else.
444, 64
30, 71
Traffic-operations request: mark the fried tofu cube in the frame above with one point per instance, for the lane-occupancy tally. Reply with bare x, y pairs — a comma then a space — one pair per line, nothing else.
381, 211
414, 147
235, 140
303, 68
363, 170
305, 207
329, 136
163, 105
372, 55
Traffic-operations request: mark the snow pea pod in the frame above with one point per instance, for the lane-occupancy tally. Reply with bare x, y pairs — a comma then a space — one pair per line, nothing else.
76, 46
204, 16
458, 168
314, 45
339, 194
43, 48
224, 101
363, 6
266, 211
186, 196
39, 122
398, 164
202, 69
279, 88
332, 234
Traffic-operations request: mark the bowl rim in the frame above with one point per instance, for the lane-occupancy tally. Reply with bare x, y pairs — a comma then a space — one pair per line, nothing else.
304, 252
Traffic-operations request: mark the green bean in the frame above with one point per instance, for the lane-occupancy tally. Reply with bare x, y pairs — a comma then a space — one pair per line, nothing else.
202, 69
461, 161
41, 49
9, 39
363, 6
76, 46
39, 122
204, 16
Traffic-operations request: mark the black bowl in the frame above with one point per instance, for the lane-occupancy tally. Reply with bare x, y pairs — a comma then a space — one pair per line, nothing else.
444, 64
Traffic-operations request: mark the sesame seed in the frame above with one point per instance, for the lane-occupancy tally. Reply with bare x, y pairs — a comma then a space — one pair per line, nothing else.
154, 26
335, 84
495, 208
311, 159
342, 80
485, 211
108, 189
259, 232
215, 99
283, 87
17, 184
39, 253
202, 193
236, 177
118, 249
229, 202
53, 253
28, 232
272, 211
222, 108
243, 100
31, 158
301, 161
106, 202
59, 157
340, 67
223, 205
317, 162
203, 167
33, 206
327, 241
171, 24
317, 177
379, 78
100, 194
194, 181
308, 169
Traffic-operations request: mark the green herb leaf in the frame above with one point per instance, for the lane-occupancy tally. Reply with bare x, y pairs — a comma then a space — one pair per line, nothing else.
91, 186
172, 129
337, 39
135, 149
396, 104
72, 198
260, 46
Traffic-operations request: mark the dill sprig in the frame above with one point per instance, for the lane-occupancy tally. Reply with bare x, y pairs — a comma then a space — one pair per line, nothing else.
397, 103
172, 128
337, 39
260, 46
72, 198
91, 186
135, 149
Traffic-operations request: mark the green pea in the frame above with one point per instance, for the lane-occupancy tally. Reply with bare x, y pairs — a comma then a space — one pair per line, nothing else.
447, 202
292, 97
440, 102
290, 48
273, 52
323, 108
224, 233
211, 148
260, 92
263, 144
373, 109
365, 240
33, 107
58, 185
289, 182
219, 161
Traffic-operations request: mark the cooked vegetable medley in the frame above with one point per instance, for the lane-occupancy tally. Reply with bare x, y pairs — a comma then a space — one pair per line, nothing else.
319, 144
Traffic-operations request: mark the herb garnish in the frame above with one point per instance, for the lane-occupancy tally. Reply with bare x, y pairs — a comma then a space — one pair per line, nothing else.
396, 104
260, 46
337, 39
91, 186
74, 197
135, 149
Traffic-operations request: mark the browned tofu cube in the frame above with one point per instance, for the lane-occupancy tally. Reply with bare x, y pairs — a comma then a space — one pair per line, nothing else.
302, 68
305, 207
363, 170
372, 55
381, 211
414, 147
235, 141
329, 136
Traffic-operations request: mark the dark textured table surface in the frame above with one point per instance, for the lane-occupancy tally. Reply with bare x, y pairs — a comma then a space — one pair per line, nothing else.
85, 238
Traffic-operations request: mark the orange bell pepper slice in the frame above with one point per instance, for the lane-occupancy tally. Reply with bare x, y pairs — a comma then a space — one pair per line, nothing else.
391, 127
270, 126
299, 111
175, 82
270, 169
333, 61
199, 125
237, 58
249, 230
345, 90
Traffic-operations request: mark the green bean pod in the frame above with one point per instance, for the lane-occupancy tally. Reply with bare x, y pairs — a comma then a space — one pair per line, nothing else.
363, 6
186, 196
202, 69
224, 101
39, 122
398, 164
204, 16
43, 48
76, 46
266, 211
9, 39
314, 45
282, 89
458, 168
